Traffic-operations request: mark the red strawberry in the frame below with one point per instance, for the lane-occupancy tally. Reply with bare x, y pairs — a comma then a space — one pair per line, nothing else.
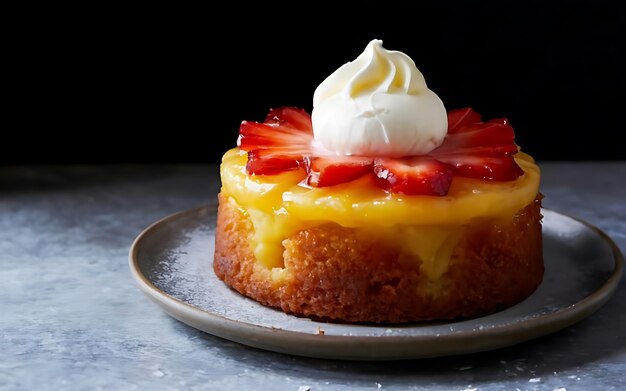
271, 162
494, 138
472, 148
414, 175
485, 167
333, 170
477, 149
460, 117
254, 135
279, 144
290, 116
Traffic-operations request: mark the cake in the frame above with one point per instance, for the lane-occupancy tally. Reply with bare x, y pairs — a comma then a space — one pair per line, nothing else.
382, 206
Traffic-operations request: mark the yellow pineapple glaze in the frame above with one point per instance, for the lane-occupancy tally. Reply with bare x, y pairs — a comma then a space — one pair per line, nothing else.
423, 227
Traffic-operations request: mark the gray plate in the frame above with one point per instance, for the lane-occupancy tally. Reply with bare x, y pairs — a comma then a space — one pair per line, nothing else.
172, 263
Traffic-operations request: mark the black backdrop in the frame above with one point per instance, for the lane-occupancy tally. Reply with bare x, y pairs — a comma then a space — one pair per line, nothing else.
147, 85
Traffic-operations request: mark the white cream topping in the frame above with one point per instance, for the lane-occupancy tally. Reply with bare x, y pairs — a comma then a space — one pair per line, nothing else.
378, 105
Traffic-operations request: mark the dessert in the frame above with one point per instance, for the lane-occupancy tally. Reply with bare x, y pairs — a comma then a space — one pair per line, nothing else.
381, 206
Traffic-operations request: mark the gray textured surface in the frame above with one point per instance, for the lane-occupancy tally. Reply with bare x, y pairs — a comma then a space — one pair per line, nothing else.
71, 317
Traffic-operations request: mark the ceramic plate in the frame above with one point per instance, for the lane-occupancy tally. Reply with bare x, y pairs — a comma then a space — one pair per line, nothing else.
172, 263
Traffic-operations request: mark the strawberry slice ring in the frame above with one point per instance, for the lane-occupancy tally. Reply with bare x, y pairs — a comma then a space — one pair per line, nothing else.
472, 149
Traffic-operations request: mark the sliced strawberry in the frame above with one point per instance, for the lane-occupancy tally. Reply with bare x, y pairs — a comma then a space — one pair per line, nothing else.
254, 135
472, 148
333, 170
494, 138
459, 117
477, 149
270, 162
290, 116
279, 144
484, 167
419, 175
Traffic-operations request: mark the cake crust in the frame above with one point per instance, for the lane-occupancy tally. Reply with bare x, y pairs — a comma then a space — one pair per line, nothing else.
337, 273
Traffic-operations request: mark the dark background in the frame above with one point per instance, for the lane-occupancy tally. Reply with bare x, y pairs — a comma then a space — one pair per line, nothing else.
153, 84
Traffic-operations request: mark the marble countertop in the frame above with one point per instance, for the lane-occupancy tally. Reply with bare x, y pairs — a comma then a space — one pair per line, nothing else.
71, 317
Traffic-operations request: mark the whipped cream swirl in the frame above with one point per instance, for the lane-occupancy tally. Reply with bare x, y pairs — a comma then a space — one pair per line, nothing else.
378, 105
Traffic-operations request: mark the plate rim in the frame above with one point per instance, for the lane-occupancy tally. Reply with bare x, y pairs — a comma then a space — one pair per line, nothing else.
398, 347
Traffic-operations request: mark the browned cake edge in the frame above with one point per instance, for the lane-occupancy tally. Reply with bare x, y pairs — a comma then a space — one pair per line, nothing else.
338, 273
